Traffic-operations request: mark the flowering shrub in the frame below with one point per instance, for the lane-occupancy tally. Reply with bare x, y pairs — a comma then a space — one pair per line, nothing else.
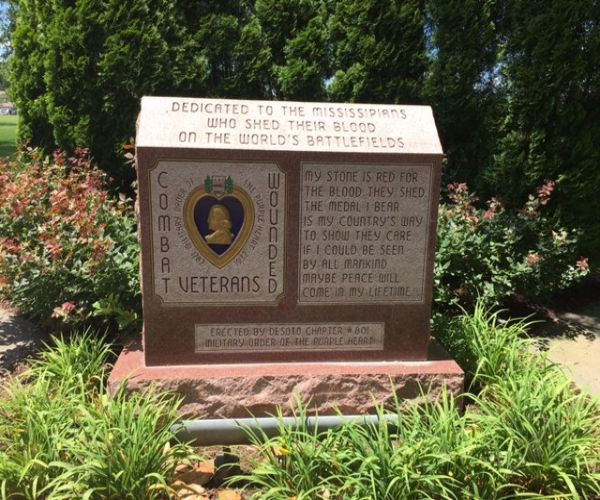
68, 251
494, 253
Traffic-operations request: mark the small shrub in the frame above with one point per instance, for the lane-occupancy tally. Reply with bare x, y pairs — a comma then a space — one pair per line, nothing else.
494, 253
68, 250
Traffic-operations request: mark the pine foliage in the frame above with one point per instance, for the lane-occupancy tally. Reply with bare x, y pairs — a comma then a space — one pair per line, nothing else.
515, 84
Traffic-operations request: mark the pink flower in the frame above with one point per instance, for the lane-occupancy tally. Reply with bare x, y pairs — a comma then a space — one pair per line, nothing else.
459, 187
24, 258
533, 259
545, 191
11, 246
59, 157
489, 214
18, 206
68, 306
63, 311
583, 264
53, 248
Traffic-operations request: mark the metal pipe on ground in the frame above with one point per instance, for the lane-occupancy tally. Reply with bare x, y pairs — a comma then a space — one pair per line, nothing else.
228, 431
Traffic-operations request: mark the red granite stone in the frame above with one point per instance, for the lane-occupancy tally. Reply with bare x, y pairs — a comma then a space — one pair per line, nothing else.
287, 252
186, 285
258, 389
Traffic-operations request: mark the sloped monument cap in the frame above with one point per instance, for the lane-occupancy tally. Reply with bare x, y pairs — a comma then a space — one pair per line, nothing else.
169, 122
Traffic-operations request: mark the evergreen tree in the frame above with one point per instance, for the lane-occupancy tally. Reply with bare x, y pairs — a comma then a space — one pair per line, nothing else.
27, 72
551, 129
230, 40
297, 34
74, 36
379, 51
462, 85
78, 82
144, 52
253, 62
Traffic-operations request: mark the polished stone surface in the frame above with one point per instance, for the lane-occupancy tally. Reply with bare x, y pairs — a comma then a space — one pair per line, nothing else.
277, 232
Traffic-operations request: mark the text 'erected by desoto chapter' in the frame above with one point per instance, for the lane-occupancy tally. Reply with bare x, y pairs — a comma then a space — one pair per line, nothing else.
285, 337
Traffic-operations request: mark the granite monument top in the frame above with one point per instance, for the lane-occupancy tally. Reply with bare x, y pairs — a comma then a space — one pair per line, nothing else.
170, 122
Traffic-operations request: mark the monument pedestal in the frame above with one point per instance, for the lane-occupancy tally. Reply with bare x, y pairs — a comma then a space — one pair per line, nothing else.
257, 389
287, 252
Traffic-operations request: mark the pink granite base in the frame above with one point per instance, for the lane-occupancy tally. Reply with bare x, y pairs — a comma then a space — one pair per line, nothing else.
243, 390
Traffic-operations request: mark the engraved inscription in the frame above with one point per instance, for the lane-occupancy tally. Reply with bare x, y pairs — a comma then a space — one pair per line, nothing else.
271, 125
290, 124
271, 337
363, 233
217, 232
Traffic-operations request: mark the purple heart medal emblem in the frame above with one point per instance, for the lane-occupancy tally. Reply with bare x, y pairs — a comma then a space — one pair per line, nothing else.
219, 218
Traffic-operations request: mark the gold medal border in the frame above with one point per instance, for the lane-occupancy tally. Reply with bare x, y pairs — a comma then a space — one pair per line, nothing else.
241, 239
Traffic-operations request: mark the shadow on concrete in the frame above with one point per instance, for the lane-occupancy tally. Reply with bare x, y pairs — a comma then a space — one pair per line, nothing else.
572, 339
19, 339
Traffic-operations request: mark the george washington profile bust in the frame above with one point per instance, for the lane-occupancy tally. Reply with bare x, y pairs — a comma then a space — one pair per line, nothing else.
219, 221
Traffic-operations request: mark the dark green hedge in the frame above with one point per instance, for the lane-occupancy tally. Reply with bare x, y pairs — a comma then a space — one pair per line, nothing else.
514, 83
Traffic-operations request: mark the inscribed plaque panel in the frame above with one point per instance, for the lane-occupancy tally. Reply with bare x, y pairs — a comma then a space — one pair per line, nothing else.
363, 233
290, 337
218, 232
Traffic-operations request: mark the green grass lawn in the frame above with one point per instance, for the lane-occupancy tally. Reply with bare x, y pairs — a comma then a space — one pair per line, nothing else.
8, 133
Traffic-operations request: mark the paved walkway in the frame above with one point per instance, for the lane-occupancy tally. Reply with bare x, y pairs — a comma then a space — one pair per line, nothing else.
578, 347
18, 339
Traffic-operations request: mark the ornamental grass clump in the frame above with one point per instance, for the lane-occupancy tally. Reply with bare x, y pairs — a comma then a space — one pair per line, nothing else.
300, 462
487, 346
123, 449
83, 356
63, 436
527, 432
36, 435
426, 451
542, 435
68, 249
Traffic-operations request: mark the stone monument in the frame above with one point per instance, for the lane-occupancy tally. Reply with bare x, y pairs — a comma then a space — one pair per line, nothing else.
287, 249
